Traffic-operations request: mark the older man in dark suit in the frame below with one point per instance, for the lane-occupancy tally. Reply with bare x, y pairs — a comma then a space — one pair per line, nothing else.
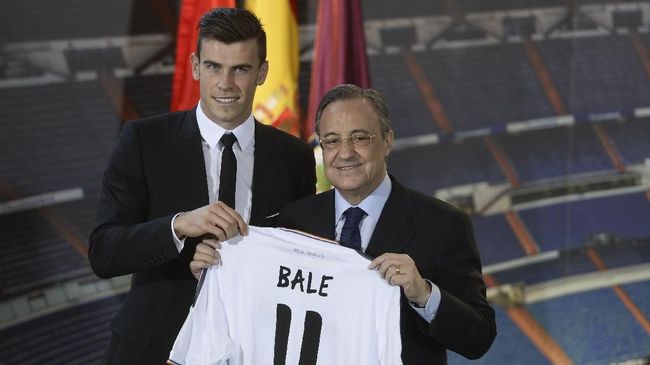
419, 243
165, 188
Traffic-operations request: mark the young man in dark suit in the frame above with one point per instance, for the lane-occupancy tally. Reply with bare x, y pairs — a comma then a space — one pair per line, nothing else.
418, 242
163, 182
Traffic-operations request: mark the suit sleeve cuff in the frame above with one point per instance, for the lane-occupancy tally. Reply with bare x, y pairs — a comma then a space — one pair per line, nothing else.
428, 312
180, 243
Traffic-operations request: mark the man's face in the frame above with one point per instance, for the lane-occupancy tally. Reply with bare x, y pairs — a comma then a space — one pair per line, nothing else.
355, 171
228, 76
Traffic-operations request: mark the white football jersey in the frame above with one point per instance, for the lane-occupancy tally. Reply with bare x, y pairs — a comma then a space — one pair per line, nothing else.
283, 297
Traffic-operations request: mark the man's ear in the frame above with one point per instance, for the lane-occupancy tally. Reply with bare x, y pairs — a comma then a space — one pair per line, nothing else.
264, 71
388, 142
194, 59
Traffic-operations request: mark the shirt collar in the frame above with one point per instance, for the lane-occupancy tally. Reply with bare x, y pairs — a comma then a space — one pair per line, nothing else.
373, 204
212, 132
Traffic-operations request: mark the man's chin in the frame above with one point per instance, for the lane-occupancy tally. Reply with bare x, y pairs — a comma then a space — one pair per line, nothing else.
225, 117
346, 184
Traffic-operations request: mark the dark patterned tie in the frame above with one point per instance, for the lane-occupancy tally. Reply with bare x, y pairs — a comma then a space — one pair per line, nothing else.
228, 172
350, 235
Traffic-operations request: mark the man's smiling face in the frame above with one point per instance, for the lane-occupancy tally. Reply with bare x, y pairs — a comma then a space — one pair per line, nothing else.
355, 171
228, 75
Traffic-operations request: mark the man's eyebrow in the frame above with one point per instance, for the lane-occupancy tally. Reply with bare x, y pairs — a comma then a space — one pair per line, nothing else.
359, 131
354, 131
242, 65
331, 134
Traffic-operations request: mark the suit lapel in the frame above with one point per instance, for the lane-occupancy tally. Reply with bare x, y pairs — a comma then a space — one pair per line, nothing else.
265, 170
393, 232
321, 222
188, 159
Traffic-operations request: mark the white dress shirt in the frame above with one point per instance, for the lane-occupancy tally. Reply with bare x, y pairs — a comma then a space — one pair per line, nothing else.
244, 150
373, 204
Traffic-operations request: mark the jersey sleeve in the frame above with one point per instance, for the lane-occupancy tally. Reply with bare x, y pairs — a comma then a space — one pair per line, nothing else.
390, 341
204, 337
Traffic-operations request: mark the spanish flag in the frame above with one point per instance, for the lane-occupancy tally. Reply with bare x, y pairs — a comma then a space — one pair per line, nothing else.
185, 90
276, 102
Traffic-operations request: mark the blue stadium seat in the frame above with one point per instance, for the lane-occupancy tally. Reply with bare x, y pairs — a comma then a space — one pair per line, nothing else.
444, 165
631, 139
33, 255
511, 346
615, 255
494, 5
61, 142
495, 240
79, 20
484, 86
383, 9
572, 224
555, 152
409, 114
76, 335
602, 332
597, 74
149, 94
639, 292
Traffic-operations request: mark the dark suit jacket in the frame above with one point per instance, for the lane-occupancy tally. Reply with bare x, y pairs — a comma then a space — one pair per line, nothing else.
439, 238
157, 170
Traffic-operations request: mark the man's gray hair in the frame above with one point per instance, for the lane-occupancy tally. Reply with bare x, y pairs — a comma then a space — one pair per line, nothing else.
352, 92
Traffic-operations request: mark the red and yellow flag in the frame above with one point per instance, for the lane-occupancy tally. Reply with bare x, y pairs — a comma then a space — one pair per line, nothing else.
185, 90
276, 102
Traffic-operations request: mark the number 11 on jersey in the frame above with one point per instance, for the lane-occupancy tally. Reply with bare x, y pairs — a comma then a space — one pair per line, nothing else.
310, 336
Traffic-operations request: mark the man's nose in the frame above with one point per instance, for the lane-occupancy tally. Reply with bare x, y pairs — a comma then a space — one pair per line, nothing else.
226, 80
347, 148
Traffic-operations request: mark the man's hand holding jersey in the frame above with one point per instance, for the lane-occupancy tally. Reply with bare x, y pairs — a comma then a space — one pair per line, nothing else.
216, 222
399, 269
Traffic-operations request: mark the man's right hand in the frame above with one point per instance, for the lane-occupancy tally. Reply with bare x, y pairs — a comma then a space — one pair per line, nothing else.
216, 220
206, 255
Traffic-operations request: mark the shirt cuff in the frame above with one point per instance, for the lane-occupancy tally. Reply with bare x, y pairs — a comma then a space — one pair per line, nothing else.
431, 308
180, 243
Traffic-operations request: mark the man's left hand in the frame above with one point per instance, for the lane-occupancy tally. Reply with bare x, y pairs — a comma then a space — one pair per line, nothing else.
399, 269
